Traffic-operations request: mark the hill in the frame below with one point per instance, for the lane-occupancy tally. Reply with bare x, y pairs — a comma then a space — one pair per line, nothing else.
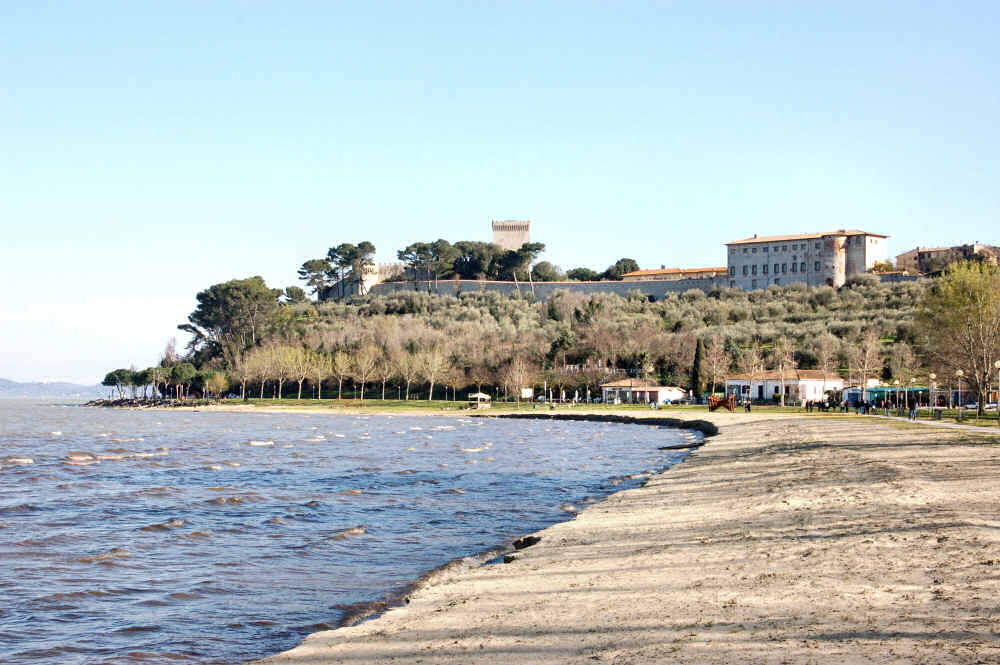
10, 388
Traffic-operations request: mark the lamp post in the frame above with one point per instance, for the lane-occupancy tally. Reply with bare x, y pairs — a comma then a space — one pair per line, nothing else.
959, 373
916, 398
896, 383
930, 389
997, 366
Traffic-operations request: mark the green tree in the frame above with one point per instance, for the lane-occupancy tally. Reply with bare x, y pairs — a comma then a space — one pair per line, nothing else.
959, 323
543, 271
316, 273
181, 376
583, 275
295, 295
473, 259
235, 311
621, 267
699, 358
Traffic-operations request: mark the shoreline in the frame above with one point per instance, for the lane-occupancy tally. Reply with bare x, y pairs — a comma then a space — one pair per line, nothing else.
774, 562
372, 610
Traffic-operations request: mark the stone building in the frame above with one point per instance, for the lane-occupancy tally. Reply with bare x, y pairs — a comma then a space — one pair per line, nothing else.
814, 259
511, 234
922, 260
673, 274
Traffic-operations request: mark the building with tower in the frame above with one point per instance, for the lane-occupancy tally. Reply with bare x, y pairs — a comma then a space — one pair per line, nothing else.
511, 234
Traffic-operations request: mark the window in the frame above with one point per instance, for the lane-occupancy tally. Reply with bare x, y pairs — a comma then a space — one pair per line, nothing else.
753, 284
764, 268
817, 245
732, 284
784, 248
794, 257
753, 269
732, 271
745, 271
794, 266
744, 250
816, 266
776, 268
802, 267
753, 250
777, 280
764, 249
784, 268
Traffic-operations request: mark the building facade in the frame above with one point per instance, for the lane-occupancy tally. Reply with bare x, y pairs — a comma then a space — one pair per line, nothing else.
801, 385
814, 259
511, 234
674, 274
923, 260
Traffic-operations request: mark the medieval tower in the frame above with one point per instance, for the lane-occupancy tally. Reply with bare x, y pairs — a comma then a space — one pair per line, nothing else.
511, 234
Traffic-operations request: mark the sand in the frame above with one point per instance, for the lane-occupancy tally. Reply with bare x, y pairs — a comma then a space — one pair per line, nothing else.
784, 539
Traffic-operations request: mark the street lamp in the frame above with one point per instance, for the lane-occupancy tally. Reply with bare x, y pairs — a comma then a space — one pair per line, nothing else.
896, 383
997, 366
930, 389
959, 373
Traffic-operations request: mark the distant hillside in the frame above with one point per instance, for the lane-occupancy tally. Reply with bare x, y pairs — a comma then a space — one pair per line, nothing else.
55, 389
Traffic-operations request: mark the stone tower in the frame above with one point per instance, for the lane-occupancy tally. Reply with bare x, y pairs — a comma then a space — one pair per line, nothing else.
511, 234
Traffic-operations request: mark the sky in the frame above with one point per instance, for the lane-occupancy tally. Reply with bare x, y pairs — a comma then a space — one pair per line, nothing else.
149, 150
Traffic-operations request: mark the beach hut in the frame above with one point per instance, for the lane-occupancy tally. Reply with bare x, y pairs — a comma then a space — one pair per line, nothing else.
479, 401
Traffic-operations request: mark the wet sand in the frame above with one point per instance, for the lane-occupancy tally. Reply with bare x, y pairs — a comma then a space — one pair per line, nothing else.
783, 540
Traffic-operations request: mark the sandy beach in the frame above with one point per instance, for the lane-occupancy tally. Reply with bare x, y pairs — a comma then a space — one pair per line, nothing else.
783, 540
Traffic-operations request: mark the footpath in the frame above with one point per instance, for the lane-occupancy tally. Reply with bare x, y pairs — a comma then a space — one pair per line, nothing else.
783, 539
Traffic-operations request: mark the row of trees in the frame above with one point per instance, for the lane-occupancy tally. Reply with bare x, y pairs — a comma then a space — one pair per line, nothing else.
692, 339
440, 259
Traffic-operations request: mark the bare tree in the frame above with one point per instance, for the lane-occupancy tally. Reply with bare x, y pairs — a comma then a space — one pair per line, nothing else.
783, 358
904, 365
752, 364
385, 369
260, 361
281, 370
365, 363
866, 357
826, 352
716, 361
320, 366
300, 365
516, 375
433, 363
408, 369
341, 367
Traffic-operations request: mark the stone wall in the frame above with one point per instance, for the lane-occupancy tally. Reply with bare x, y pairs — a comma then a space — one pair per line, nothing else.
544, 290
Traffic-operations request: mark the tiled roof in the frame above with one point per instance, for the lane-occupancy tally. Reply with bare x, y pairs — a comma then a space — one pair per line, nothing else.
790, 375
804, 236
672, 271
632, 383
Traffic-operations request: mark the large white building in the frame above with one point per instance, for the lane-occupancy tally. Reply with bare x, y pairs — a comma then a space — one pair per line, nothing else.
811, 258
800, 385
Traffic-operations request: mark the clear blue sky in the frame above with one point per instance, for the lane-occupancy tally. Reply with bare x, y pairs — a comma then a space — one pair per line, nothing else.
148, 150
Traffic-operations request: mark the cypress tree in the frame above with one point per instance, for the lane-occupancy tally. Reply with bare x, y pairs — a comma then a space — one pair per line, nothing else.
699, 353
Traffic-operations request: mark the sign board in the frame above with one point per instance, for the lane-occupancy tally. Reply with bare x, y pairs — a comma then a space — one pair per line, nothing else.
527, 393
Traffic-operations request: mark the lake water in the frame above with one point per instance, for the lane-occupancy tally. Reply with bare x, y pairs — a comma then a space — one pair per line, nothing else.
199, 537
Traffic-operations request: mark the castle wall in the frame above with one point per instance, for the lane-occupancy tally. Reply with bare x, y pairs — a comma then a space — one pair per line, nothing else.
544, 290
511, 234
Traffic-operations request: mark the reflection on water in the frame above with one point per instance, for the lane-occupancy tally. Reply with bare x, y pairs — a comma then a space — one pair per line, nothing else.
161, 536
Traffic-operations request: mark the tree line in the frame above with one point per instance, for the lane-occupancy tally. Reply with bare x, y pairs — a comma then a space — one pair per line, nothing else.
428, 343
331, 275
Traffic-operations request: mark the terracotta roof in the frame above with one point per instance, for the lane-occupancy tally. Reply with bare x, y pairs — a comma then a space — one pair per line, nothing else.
672, 271
790, 375
632, 383
804, 236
